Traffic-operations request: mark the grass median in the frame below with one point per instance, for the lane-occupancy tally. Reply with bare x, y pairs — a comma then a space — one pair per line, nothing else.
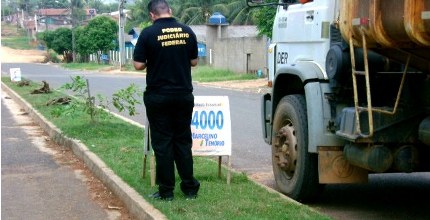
119, 144
200, 73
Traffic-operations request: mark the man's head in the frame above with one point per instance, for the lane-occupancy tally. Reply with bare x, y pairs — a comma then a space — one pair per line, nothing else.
159, 9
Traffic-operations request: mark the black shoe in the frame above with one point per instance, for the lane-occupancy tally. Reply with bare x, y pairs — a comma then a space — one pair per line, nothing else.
157, 195
190, 196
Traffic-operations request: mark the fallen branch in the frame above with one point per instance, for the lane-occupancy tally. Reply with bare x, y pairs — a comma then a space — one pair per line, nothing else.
59, 101
44, 89
23, 83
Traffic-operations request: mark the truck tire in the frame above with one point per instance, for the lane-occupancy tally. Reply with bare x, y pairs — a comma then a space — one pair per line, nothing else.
294, 168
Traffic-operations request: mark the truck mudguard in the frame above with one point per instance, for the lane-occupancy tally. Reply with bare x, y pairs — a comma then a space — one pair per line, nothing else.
316, 86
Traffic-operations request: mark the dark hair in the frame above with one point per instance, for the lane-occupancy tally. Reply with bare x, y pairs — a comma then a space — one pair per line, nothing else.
158, 6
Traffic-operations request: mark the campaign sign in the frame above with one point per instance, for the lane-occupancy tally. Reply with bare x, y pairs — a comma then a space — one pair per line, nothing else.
211, 126
15, 74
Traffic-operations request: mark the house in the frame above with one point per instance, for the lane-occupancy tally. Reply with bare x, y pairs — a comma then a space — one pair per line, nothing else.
53, 18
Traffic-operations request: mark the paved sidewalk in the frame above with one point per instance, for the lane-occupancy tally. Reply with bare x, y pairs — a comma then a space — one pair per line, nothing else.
135, 203
34, 186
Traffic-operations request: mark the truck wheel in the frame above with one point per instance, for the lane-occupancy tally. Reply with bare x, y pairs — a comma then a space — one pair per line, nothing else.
295, 170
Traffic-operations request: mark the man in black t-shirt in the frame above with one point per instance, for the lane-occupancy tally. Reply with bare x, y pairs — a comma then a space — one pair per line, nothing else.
168, 49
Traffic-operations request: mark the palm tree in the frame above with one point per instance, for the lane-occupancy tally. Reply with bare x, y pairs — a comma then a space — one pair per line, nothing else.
240, 13
195, 12
139, 13
198, 11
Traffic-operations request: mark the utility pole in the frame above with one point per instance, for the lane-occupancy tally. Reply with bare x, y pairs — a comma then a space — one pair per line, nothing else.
121, 34
72, 11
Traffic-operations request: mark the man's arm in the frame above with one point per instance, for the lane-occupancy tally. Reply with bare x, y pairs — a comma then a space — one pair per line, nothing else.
194, 62
139, 65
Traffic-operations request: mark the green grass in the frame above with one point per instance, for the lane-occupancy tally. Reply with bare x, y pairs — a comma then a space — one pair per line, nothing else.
200, 73
21, 43
85, 66
15, 38
209, 74
119, 145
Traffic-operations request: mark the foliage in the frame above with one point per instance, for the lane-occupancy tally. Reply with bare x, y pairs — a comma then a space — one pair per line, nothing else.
102, 30
83, 42
78, 12
53, 4
264, 19
59, 40
98, 35
102, 7
195, 12
15, 37
139, 14
21, 43
241, 14
5, 8
209, 74
127, 99
83, 66
83, 102
53, 57
95, 106
198, 11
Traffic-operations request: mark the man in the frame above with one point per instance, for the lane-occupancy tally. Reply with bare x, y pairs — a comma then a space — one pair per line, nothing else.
168, 49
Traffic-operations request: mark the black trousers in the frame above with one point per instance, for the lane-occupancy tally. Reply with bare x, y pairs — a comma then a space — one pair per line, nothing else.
170, 123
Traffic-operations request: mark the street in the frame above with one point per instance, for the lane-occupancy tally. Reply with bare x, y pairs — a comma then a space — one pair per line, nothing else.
387, 196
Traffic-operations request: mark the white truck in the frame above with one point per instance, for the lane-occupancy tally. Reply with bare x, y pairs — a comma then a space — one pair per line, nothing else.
350, 91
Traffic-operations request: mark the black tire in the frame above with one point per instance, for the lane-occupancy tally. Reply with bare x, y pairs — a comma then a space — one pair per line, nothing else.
294, 168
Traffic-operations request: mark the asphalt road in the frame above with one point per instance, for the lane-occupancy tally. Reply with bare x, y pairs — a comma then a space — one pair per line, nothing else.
388, 196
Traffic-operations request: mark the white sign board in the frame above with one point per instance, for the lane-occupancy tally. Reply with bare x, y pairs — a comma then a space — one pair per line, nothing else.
15, 74
211, 126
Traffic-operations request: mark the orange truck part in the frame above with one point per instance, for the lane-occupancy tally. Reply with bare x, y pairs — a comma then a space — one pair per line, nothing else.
394, 28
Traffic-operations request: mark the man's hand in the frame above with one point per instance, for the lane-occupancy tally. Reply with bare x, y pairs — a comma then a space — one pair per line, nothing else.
194, 62
139, 65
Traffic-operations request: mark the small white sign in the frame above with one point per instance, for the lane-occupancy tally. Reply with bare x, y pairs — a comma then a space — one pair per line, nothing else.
15, 74
211, 126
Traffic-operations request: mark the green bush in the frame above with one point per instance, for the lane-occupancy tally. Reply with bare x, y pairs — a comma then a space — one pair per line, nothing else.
53, 57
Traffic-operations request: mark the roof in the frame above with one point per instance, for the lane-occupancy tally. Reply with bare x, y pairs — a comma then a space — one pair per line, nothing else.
53, 11
63, 11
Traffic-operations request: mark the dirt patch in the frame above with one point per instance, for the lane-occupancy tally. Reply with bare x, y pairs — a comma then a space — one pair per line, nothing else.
9, 55
255, 85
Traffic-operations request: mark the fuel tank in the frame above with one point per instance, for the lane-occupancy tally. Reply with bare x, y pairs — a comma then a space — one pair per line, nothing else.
393, 28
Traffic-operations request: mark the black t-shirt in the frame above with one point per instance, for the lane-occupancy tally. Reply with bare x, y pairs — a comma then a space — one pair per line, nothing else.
167, 47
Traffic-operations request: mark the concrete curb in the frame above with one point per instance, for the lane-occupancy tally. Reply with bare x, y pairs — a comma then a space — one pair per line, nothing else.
134, 202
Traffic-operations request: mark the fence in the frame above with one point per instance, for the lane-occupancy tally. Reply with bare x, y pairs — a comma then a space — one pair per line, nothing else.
113, 56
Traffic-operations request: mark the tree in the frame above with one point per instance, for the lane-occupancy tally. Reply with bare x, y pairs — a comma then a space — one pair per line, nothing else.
48, 37
197, 11
139, 14
98, 36
78, 14
53, 4
102, 7
60, 41
82, 45
6, 8
264, 20
103, 32
240, 14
